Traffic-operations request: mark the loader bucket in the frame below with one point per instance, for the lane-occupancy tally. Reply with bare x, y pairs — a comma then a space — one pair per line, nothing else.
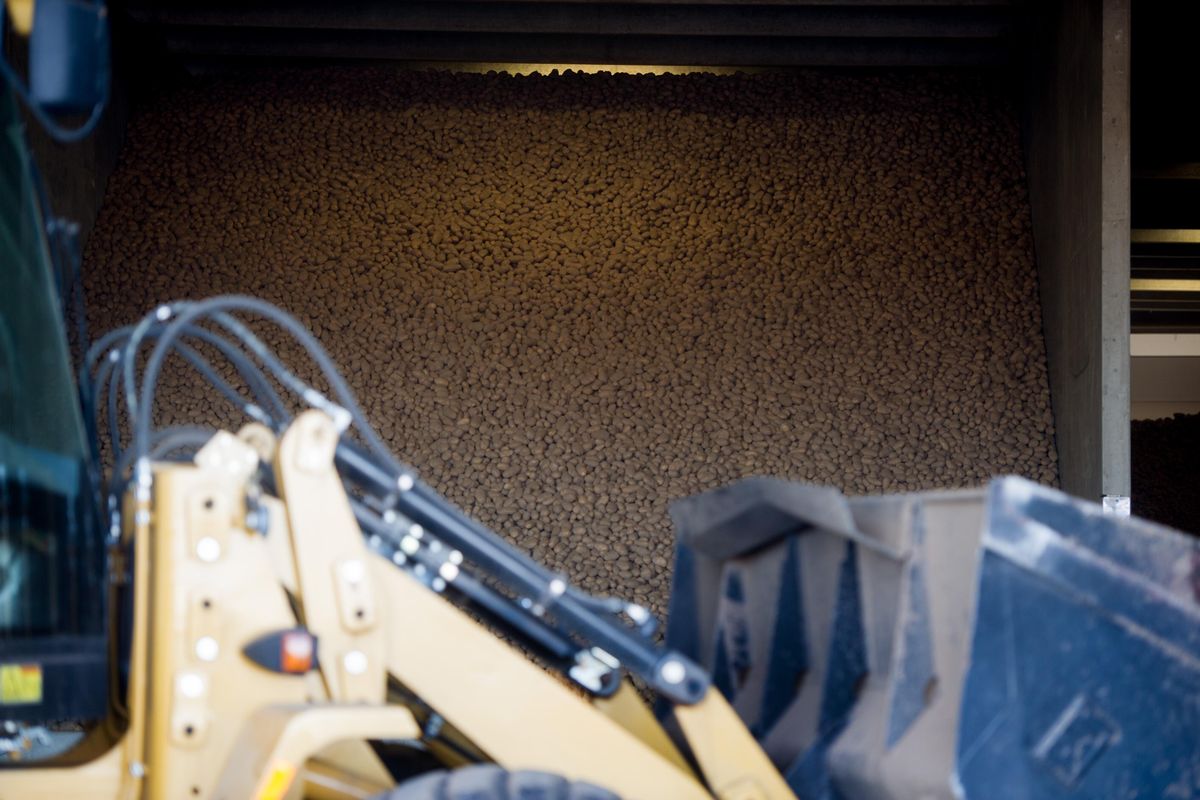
1085, 672
846, 633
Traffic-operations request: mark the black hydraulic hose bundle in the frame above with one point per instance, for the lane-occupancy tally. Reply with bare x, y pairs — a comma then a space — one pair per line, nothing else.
589, 638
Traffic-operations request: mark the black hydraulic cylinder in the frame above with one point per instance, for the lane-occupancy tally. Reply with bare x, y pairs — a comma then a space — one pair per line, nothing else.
670, 674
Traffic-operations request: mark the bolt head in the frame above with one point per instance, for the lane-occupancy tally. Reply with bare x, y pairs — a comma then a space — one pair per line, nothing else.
191, 685
355, 662
673, 672
207, 648
208, 549
353, 571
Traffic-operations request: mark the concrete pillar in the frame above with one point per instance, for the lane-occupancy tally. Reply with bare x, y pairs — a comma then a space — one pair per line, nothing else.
1077, 148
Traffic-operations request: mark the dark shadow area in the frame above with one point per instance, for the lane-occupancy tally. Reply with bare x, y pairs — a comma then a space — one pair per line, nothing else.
1166, 471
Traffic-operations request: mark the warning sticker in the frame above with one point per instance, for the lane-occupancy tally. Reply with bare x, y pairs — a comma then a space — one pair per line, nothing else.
20, 684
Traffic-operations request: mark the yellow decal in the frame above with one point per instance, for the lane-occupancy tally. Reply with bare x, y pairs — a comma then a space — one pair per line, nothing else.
277, 782
20, 684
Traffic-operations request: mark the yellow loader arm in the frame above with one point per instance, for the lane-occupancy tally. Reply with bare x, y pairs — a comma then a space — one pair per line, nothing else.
223, 573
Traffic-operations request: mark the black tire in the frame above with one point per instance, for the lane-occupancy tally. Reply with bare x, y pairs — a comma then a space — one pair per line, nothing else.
490, 782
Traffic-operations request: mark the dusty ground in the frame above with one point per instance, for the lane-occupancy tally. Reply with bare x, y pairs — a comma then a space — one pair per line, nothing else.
568, 300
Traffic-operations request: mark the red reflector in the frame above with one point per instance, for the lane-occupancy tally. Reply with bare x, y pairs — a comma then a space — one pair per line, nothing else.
296, 652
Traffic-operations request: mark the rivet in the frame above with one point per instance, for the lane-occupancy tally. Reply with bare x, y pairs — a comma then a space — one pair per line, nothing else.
355, 662
207, 648
672, 672
353, 571
191, 685
208, 549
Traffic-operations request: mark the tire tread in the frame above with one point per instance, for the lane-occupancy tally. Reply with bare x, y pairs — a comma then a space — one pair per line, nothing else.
492, 782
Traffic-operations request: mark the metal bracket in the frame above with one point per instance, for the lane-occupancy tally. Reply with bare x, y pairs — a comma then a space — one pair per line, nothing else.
261, 438
1117, 504
334, 585
228, 454
208, 572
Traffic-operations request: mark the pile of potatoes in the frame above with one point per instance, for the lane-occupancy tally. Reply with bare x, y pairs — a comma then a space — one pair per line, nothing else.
569, 299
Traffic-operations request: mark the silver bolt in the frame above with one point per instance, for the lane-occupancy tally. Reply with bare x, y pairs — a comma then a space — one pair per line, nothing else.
341, 417
208, 549
191, 685
353, 571
137, 769
448, 571
207, 648
557, 587
405, 482
355, 662
163, 313
672, 672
